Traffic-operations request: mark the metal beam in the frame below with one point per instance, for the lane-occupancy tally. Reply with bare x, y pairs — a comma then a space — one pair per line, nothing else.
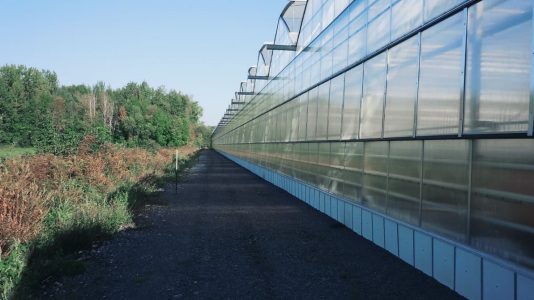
256, 77
245, 93
281, 47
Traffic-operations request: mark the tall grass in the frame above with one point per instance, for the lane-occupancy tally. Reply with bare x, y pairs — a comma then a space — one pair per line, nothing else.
51, 206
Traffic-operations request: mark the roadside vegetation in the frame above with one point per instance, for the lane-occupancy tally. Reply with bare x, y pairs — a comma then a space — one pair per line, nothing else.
75, 163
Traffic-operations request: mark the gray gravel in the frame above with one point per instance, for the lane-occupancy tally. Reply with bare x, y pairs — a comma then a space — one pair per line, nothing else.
227, 234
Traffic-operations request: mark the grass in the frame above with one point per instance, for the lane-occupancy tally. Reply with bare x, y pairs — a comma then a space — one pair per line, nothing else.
12, 151
52, 207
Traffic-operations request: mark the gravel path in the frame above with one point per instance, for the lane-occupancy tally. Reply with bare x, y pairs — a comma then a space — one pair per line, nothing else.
227, 234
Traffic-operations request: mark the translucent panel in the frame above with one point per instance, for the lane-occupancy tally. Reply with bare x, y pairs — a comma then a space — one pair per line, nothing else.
322, 111
445, 178
435, 8
406, 15
374, 86
358, 38
405, 162
303, 116
337, 161
323, 166
379, 31
311, 126
326, 48
502, 199
340, 5
499, 54
401, 89
295, 118
377, 7
301, 151
440, 82
375, 175
340, 55
352, 174
312, 168
351, 104
335, 107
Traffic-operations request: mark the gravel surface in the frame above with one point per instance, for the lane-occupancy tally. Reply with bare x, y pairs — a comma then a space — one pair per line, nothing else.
227, 234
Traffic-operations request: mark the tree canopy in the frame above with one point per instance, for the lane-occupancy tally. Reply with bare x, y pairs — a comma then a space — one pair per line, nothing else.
36, 111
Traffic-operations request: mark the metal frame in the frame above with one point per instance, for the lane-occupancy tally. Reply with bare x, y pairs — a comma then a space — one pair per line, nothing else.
463, 63
399, 40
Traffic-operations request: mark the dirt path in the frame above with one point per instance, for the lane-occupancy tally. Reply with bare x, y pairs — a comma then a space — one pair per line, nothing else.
229, 235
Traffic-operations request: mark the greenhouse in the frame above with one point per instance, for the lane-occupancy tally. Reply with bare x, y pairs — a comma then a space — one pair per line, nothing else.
409, 121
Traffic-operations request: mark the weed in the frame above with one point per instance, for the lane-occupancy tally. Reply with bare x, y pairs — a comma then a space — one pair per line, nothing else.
51, 207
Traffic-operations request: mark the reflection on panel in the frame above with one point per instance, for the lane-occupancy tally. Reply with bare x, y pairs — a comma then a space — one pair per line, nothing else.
322, 168
374, 85
445, 179
406, 15
499, 54
375, 175
303, 116
502, 200
351, 104
335, 107
352, 175
434, 8
358, 36
401, 89
312, 158
404, 179
440, 83
322, 111
336, 167
311, 125
379, 25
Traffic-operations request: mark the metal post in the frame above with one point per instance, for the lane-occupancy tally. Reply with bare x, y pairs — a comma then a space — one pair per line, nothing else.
176, 171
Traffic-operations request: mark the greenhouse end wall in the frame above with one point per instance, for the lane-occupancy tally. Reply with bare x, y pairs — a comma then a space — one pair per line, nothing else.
409, 121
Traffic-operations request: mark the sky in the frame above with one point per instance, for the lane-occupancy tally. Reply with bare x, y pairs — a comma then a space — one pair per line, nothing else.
201, 48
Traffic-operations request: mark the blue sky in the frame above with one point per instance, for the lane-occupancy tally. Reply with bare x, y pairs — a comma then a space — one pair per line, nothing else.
202, 48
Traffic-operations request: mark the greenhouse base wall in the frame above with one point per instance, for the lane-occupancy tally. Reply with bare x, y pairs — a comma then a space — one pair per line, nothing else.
471, 273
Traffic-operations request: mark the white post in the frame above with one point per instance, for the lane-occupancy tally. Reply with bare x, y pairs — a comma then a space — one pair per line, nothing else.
176, 162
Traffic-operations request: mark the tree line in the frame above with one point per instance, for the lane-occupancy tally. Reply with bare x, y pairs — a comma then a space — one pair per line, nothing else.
35, 111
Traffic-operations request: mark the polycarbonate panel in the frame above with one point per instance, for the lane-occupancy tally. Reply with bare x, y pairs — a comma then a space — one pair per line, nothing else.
406, 15
352, 175
341, 45
323, 166
375, 167
351, 103
295, 119
374, 86
311, 126
404, 179
358, 38
435, 8
440, 79
301, 152
379, 30
445, 180
499, 55
337, 162
401, 92
303, 116
312, 167
502, 209
322, 111
335, 107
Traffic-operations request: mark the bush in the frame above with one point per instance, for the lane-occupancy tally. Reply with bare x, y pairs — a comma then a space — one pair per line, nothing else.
55, 205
